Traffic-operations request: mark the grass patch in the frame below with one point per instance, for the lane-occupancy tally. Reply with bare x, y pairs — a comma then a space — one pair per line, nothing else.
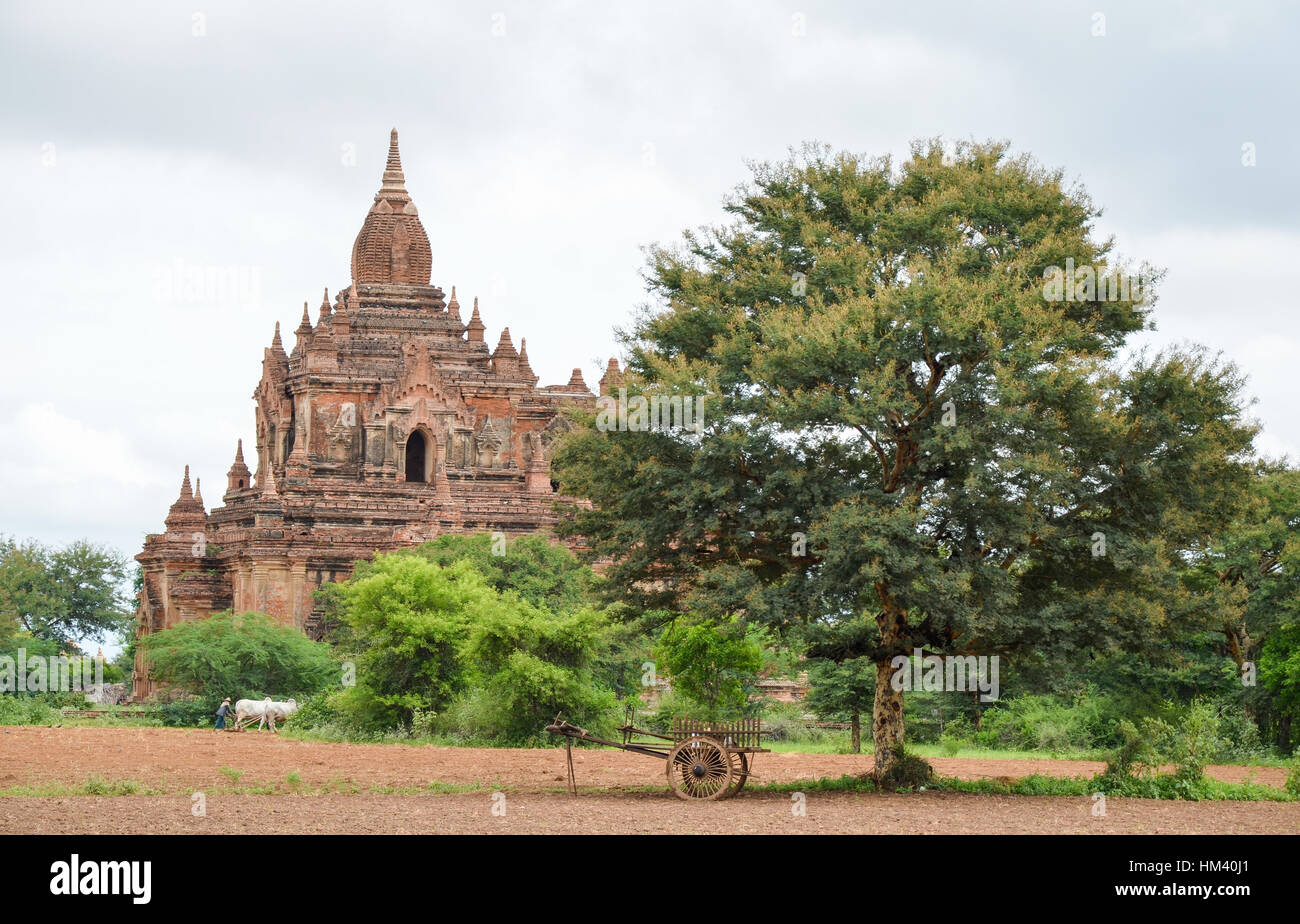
840, 745
936, 750
1160, 787
437, 788
230, 773
844, 783
93, 785
1034, 785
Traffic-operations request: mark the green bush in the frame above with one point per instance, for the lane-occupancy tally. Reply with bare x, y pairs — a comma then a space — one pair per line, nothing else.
1048, 723
189, 713
1240, 734
957, 734
27, 709
442, 650
1133, 769
714, 663
1197, 741
1137, 754
906, 772
1293, 775
529, 666
243, 656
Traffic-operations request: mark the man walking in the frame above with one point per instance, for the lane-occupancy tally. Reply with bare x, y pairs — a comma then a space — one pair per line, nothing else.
222, 712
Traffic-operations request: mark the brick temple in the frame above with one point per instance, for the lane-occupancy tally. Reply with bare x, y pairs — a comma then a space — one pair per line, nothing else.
390, 422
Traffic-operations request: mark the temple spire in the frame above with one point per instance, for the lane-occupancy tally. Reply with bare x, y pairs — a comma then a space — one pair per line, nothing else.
187, 514
239, 478
392, 246
453, 306
525, 369
476, 325
505, 346
576, 381
276, 342
612, 378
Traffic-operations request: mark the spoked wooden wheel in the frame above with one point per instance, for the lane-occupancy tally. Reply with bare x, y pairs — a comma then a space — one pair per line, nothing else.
739, 772
699, 768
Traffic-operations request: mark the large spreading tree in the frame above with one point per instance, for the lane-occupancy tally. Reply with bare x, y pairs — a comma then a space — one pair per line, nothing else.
915, 436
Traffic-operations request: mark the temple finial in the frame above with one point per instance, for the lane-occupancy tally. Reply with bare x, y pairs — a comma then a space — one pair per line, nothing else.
393, 177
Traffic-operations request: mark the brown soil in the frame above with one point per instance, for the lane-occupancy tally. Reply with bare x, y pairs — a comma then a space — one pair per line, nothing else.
178, 761
648, 813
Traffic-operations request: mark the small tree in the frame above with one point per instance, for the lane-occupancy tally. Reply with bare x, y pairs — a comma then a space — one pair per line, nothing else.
527, 665
845, 689
409, 618
713, 662
243, 656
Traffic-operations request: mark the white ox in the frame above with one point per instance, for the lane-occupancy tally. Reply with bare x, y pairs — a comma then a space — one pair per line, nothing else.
250, 709
279, 711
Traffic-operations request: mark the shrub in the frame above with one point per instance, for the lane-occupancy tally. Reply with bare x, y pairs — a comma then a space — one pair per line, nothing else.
1049, 723
241, 656
27, 709
1133, 769
957, 734
189, 713
906, 772
715, 663
1240, 734
1293, 775
411, 617
1197, 741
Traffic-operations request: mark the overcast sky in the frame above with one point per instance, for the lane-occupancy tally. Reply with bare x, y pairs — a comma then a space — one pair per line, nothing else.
545, 144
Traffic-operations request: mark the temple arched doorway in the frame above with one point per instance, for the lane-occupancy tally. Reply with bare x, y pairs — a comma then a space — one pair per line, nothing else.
417, 452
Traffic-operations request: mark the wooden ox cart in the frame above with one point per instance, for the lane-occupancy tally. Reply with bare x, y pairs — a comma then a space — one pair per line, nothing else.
703, 760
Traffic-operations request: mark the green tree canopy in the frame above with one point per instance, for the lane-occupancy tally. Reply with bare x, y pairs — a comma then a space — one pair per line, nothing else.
240, 655
409, 617
443, 629
976, 466
64, 595
539, 571
1254, 563
527, 665
715, 663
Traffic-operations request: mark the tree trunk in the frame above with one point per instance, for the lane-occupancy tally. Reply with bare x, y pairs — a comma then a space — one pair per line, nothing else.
1239, 643
887, 713
857, 732
886, 719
